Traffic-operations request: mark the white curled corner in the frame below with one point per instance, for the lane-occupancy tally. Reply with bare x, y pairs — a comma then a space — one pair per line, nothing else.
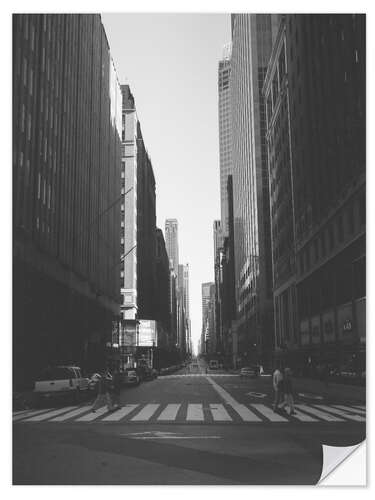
333, 456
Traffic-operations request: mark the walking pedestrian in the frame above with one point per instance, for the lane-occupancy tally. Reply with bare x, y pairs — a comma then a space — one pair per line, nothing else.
277, 379
103, 396
288, 392
116, 389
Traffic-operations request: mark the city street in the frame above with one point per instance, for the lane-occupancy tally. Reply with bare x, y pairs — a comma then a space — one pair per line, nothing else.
187, 428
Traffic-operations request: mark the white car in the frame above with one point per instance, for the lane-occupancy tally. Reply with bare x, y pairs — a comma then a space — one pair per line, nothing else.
59, 382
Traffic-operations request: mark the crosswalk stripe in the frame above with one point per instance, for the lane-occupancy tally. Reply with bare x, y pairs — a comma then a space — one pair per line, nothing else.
89, 417
146, 412
195, 412
244, 412
350, 409
119, 414
19, 412
318, 413
74, 413
169, 412
29, 414
269, 413
219, 413
341, 413
360, 407
49, 414
303, 417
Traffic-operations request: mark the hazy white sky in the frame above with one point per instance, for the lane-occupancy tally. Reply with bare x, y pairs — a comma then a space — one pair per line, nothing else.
170, 62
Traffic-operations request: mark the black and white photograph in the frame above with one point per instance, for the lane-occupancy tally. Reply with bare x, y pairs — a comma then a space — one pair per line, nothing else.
188, 246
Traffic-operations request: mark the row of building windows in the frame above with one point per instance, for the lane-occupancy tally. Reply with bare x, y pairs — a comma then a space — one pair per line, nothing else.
344, 226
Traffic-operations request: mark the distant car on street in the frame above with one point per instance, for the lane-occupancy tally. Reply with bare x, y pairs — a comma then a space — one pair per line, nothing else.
146, 372
213, 364
130, 377
249, 371
60, 382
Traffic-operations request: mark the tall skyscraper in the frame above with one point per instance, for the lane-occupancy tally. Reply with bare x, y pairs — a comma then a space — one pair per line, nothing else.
225, 131
138, 230
316, 108
252, 38
66, 187
171, 240
129, 307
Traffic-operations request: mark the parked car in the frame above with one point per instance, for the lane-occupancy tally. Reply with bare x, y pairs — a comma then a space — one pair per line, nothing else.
61, 382
249, 371
130, 377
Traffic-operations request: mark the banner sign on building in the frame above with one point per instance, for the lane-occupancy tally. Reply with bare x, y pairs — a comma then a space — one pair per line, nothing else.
147, 333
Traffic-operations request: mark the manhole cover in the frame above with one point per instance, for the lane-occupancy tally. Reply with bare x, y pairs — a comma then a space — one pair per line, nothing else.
257, 394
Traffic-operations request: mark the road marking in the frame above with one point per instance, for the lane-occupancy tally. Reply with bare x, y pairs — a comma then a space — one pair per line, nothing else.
93, 415
146, 412
119, 414
169, 412
344, 414
195, 412
49, 414
74, 413
349, 409
20, 411
30, 413
269, 413
360, 407
310, 396
242, 410
303, 417
320, 414
219, 413
164, 435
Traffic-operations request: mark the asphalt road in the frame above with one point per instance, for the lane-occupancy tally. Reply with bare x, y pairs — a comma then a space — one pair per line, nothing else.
186, 428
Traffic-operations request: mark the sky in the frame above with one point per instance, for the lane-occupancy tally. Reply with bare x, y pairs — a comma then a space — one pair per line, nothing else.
170, 62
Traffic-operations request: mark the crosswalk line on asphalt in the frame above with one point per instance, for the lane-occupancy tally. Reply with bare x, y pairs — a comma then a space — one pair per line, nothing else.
29, 414
360, 407
119, 414
93, 415
319, 413
269, 413
169, 413
195, 412
146, 413
49, 414
303, 417
219, 413
350, 409
71, 414
244, 412
341, 413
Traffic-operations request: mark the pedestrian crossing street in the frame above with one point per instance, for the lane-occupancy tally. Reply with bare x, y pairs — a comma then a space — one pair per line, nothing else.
189, 413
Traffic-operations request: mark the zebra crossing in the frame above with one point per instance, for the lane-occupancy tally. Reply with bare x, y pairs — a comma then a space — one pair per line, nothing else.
189, 413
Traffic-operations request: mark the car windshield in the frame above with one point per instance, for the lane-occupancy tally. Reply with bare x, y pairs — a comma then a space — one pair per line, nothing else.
55, 374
